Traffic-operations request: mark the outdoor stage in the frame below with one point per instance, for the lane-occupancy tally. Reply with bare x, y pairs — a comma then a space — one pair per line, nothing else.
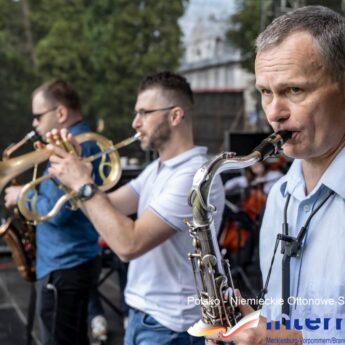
14, 306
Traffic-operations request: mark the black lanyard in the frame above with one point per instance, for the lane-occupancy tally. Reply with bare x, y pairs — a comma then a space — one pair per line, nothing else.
290, 247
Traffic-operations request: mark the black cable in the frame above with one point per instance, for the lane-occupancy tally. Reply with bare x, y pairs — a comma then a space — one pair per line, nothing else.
285, 224
264, 289
304, 228
286, 239
285, 232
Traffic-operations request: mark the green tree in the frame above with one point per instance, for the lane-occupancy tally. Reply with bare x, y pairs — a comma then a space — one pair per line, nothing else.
16, 74
252, 16
102, 47
245, 26
105, 48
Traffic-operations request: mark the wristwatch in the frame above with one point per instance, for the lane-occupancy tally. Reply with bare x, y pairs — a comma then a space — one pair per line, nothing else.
86, 191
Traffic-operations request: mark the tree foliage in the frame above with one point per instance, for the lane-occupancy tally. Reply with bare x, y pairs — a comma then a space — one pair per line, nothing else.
252, 16
16, 75
102, 47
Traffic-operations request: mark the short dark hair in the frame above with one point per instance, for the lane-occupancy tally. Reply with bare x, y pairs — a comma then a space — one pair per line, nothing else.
174, 85
59, 91
325, 26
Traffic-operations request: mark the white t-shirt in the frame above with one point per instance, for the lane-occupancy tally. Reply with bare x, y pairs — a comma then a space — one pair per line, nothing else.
160, 281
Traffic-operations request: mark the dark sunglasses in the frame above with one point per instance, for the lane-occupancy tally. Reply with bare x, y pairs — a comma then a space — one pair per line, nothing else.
38, 116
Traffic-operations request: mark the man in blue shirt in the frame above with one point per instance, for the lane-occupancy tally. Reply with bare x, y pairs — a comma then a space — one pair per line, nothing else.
300, 73
67, 261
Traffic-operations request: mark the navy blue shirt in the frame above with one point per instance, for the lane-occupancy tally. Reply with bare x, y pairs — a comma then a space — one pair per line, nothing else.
67, 239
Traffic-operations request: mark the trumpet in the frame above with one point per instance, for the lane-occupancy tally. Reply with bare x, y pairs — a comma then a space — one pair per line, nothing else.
10, 168
110, 163
27, 203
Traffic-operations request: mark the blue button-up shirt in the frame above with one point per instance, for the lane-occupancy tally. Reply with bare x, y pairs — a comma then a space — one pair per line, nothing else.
317, 285
68, 239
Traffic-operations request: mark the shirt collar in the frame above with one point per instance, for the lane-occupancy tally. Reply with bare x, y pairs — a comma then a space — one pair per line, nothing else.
332, 178
185, 156
79, 127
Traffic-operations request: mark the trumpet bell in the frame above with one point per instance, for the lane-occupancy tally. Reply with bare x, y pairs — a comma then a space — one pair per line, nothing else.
109, 168
11, 168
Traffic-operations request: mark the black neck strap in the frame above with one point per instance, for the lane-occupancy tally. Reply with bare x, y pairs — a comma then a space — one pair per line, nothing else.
290, 247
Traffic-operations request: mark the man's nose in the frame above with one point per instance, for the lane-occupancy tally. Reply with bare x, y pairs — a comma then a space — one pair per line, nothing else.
276, 110
137, 122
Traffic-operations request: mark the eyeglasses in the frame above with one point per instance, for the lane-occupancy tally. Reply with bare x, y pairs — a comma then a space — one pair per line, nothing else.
143, 113
38, 116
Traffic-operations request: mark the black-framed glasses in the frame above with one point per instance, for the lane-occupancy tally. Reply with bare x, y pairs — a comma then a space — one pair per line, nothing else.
143, 113
38, 116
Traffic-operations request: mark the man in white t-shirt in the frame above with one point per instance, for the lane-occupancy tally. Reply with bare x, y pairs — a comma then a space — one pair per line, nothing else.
160, 277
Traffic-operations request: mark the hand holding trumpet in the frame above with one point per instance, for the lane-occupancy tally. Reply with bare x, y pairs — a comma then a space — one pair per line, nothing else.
68, 167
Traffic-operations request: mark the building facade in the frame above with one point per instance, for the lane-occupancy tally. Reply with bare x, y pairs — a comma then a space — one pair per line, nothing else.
225, 98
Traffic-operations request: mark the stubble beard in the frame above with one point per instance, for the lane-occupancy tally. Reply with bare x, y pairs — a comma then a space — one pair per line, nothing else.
159, 137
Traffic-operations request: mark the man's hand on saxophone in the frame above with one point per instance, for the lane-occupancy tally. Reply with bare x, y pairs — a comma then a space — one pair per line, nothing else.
257, 335
250, 336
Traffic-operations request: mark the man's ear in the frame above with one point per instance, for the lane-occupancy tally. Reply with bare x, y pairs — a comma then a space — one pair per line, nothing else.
62, 114
177, 115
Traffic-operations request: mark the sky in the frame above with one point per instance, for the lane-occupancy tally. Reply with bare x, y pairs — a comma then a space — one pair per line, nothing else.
197, 9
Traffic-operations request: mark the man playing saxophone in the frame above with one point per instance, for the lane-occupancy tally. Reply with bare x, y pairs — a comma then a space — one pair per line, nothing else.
67, 260
300, 73
160, 280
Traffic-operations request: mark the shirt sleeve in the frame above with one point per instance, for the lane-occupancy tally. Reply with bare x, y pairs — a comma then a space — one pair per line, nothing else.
172, 203
137, 183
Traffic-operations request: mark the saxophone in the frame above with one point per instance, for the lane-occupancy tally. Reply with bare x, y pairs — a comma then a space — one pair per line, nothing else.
18, 234
215, 289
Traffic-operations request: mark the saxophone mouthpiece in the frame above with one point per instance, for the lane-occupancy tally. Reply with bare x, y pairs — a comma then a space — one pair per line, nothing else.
285, 135
137, 136
31, 135
34, 136
272, 144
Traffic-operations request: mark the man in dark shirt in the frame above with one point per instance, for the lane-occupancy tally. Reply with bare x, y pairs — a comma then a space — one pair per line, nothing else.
67, 260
